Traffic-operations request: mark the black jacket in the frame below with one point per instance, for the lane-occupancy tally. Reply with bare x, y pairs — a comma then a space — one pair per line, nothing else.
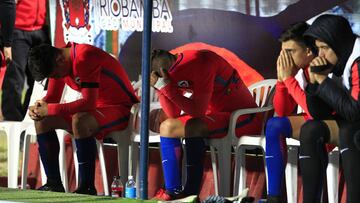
328, 98
7, 21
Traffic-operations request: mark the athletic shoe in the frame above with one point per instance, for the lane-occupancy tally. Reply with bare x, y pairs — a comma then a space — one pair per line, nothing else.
273, 199
86, 190
53, 186
162, 195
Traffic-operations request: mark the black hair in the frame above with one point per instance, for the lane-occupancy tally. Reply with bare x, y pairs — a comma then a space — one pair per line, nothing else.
296, 32
161, 59
42, 61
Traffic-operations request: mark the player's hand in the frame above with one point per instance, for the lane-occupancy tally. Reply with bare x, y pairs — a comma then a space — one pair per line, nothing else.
7, 54
153, 78
285, 65
33, 115
320, 76
41, 108
279, 70
164, 74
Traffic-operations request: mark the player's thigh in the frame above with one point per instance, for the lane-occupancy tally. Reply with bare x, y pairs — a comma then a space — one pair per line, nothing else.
334, 131
217, 124
109, 119
296, 123
50, 123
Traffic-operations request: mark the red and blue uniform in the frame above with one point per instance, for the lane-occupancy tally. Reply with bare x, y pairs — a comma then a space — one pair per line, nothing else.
216, 91
288, 95
106, 91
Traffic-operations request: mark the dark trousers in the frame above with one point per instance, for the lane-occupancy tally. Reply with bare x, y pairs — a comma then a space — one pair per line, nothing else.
313, 136
11, 105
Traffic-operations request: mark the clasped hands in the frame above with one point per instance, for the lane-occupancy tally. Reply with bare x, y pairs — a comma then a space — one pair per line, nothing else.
38, 111
319, 77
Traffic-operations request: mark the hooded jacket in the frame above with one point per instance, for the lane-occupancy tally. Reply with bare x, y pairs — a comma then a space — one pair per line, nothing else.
329, 97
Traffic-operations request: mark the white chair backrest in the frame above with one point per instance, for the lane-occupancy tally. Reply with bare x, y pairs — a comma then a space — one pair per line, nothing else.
261, 90
137, 87
38, 93
70, 95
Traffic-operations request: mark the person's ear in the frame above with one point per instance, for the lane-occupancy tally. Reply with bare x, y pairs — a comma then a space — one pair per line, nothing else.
309, 52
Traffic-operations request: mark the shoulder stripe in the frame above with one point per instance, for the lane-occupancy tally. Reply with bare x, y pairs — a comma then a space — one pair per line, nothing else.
121, 83
177, 62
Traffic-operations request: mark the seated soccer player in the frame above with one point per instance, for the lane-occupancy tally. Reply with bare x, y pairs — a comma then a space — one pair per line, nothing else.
292, 65
332, 97
216, 90
107, 97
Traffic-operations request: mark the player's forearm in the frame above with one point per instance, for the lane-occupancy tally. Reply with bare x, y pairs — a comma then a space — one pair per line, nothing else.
86, 104
170, 109
70, 108
55, 91
283, 103
195, 106
297, 93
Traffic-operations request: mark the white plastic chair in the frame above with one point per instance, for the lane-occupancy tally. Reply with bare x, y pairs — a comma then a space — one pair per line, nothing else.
13, 130
122, 139
291, 169
332, 176
68, 95
154, 137
291, 172
260, 90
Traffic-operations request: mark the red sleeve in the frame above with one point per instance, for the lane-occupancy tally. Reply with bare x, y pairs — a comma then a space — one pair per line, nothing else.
296, 93
54, 91
171, 110
196, 105
85, 104
88, 71
283, 103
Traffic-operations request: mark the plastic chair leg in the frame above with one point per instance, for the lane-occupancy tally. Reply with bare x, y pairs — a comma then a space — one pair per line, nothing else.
103, 168
214, 168
13, 142
332, 176
62, 160
25, 163
291, 174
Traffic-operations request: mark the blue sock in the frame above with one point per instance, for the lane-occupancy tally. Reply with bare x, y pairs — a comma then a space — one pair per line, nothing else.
194, 148
49, 153
171, 154
277, 129
86, 153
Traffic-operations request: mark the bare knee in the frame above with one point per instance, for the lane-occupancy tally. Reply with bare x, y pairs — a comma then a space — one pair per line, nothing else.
84, 125
195, 127
168, 127
41, 126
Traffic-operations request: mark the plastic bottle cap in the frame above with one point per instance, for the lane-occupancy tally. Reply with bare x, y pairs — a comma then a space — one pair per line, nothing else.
130, 177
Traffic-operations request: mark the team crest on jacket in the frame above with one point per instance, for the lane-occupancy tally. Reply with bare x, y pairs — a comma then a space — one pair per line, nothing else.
183, 83
77, 80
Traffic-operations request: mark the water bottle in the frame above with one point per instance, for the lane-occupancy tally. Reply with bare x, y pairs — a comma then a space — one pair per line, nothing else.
130, 188
117, 187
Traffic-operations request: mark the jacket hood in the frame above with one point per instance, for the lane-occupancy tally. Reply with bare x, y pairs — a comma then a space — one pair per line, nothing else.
336, 32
